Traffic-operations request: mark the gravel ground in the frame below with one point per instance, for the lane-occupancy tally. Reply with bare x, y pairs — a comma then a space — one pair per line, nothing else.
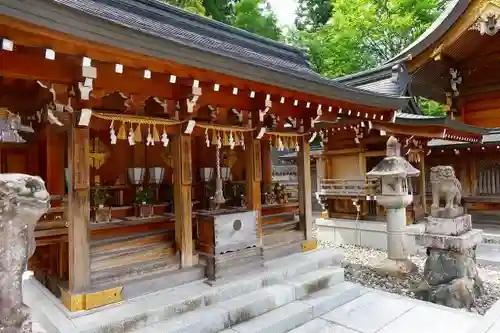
358, 260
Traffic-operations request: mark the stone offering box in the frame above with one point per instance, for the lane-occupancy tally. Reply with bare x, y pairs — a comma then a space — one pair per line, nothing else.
229, 243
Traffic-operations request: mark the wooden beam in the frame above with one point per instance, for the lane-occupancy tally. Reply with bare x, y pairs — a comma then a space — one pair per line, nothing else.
253, 179
79, 208
181, 154
24, 66
305, 199
350, 151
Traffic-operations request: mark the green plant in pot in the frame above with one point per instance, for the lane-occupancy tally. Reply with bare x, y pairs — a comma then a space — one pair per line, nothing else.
143, 204
101, 212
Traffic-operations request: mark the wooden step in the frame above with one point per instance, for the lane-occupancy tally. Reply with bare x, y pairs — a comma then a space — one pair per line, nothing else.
283, 238
124, 273
141, 254
282, 243
281, 226
277, 218
130, 241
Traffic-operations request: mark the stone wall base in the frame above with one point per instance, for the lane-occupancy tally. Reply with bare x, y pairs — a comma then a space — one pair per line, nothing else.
363, 233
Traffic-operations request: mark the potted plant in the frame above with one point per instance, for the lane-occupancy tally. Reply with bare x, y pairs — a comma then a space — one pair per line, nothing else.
101, 212
143, 205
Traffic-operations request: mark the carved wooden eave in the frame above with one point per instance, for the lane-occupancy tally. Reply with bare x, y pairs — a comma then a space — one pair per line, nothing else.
476, 11
429, 132
488, 21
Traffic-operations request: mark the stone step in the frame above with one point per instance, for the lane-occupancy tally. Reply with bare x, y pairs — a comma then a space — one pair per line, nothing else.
166, 305
248, 306
316, 280
280, 320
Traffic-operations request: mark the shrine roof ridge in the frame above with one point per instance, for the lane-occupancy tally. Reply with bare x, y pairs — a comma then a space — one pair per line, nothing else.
423, 120
158, 30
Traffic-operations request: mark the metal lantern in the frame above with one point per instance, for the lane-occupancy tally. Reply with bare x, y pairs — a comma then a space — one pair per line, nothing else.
156, 175
206, 174
136, 175
225, 173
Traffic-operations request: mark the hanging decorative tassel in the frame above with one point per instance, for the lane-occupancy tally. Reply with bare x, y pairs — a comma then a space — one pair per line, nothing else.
281, 147
297, 147
138, 134
131, 135
112, 134
122, 132
156, 135
207, 139
231, 140
276, 142
225, 139
237, 140
214, 138
149, 138
219, 142
242, 141
164, 137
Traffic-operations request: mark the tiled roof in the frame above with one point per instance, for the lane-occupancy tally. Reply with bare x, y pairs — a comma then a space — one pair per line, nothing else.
153, 28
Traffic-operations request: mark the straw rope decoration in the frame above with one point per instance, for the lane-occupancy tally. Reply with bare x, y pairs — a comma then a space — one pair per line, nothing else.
134, 134
282, 141
215, 135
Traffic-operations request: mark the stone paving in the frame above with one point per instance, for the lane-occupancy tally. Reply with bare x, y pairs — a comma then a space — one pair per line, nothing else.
381, 312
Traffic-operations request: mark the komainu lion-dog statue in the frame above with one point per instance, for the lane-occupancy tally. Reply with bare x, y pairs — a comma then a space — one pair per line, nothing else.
23, 200
445, 185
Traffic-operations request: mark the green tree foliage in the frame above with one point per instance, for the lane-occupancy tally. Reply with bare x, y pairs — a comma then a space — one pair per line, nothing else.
220, 10
313, 14
193, 6
430, 107
256, 16
364, 33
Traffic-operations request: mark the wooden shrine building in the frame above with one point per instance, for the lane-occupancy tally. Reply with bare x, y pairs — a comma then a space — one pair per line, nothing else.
152, 129
455, 63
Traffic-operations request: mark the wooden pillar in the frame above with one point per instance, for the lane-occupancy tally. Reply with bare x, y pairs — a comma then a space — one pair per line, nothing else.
423, 180
472, 176
267, 164
79, 209
55, 161
305, 200
181, 151
253, 179
320, 171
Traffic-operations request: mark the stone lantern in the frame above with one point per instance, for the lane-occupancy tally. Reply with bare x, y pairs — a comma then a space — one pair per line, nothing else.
393, 172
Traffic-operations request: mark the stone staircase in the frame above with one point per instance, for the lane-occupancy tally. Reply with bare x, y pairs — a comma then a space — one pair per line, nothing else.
288, 292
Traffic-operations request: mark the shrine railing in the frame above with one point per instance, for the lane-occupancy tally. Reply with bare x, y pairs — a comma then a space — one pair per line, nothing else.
346, 187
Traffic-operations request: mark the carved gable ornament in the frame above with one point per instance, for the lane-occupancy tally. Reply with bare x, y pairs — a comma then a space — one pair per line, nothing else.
488, 21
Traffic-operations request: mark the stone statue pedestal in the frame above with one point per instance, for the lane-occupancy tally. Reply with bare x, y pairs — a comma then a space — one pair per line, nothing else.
450, 274
450, 212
